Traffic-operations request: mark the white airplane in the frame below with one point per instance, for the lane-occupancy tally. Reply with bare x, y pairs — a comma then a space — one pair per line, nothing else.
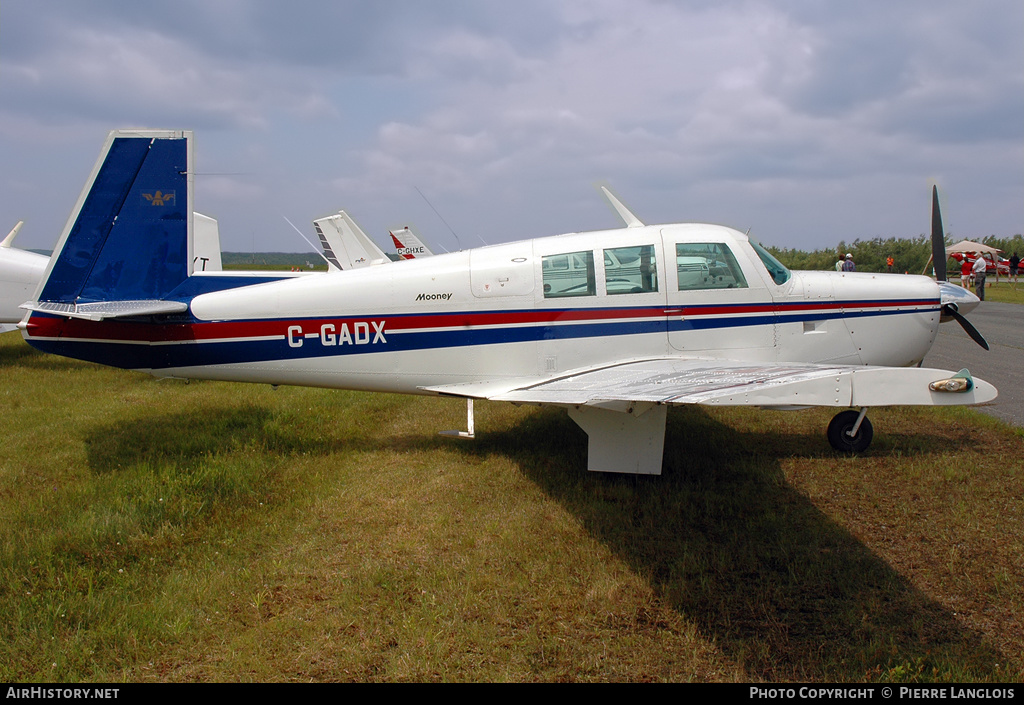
614, 326
20, 273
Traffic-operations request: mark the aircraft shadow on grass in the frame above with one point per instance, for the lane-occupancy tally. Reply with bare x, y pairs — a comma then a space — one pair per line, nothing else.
763, 572
720, 535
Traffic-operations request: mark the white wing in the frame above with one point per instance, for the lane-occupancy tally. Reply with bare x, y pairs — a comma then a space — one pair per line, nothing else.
730, 383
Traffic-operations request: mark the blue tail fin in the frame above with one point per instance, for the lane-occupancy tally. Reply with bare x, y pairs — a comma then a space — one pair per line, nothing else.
129, 236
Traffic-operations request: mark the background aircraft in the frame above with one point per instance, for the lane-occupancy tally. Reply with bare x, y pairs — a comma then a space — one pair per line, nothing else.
408, 245
346, 246
20, 272
614, 326
344, 243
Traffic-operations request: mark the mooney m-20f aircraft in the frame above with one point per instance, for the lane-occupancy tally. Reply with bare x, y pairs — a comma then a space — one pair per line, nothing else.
614, 326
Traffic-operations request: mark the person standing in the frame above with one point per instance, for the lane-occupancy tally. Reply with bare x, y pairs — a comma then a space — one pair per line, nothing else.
1014, 266
889, 262
980, 265
965, 272
848, 264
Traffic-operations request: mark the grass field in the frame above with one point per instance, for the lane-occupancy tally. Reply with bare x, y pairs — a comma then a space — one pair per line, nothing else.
163, 531
1005, 292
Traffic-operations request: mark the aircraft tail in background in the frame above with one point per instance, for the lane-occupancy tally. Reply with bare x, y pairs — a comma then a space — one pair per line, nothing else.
409, 245
345, 244
206, 244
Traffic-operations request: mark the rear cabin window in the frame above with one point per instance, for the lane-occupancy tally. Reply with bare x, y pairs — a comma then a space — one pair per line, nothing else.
570, 274
707, 265
630, 270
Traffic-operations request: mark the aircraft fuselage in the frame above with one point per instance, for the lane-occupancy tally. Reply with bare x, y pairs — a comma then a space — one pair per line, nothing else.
529, 309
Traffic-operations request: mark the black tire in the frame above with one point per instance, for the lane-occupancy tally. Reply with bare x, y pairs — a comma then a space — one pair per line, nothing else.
844, 443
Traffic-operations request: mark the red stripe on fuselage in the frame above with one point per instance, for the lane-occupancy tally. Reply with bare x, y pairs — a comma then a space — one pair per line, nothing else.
49, 326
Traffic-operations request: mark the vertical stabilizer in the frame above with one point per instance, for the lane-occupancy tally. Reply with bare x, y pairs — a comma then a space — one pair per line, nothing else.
409, 245
128, 237
345, 244
206, 248
9, 240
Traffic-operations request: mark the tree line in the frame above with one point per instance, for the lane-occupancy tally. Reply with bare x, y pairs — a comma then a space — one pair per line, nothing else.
909, 255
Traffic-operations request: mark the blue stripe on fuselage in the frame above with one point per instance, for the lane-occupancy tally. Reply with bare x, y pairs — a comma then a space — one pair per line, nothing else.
191, 353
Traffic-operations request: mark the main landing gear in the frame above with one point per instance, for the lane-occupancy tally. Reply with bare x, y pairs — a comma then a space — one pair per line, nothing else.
850, 431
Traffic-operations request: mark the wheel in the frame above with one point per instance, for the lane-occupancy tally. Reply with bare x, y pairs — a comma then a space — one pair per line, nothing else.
839, 437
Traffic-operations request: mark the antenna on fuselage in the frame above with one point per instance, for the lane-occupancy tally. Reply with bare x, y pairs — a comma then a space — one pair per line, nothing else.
322, 256
627, 215
450, 229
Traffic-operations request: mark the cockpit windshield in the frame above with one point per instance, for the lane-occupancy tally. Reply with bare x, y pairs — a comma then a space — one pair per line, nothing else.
778, 271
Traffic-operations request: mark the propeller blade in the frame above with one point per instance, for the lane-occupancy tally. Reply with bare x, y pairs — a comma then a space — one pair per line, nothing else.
976, 336
938, 239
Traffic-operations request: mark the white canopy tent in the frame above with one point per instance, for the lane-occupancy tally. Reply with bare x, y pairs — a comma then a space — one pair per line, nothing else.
970, 246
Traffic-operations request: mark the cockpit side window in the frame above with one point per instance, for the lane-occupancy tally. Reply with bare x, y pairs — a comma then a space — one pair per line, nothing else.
630, 270
569, 274
777, 270
707, 265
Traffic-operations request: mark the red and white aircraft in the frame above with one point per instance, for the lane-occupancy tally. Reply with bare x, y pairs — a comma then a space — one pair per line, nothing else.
408, 245
614, 326
346, 246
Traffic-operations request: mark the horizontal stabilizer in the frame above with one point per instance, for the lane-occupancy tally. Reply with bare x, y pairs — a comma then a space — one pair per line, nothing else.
100, 310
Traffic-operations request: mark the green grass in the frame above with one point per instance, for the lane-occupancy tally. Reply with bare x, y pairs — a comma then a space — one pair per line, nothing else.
1005, 292
162, 531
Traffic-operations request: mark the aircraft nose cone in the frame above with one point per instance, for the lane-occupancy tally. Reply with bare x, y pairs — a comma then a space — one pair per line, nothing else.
962, 298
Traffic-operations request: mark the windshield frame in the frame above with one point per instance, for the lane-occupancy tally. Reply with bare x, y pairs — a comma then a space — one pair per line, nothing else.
776, 269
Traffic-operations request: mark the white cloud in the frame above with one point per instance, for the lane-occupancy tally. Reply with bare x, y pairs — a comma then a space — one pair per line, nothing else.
777, 115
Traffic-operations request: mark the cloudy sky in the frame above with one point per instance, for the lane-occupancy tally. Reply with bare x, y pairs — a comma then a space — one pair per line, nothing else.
808, 122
